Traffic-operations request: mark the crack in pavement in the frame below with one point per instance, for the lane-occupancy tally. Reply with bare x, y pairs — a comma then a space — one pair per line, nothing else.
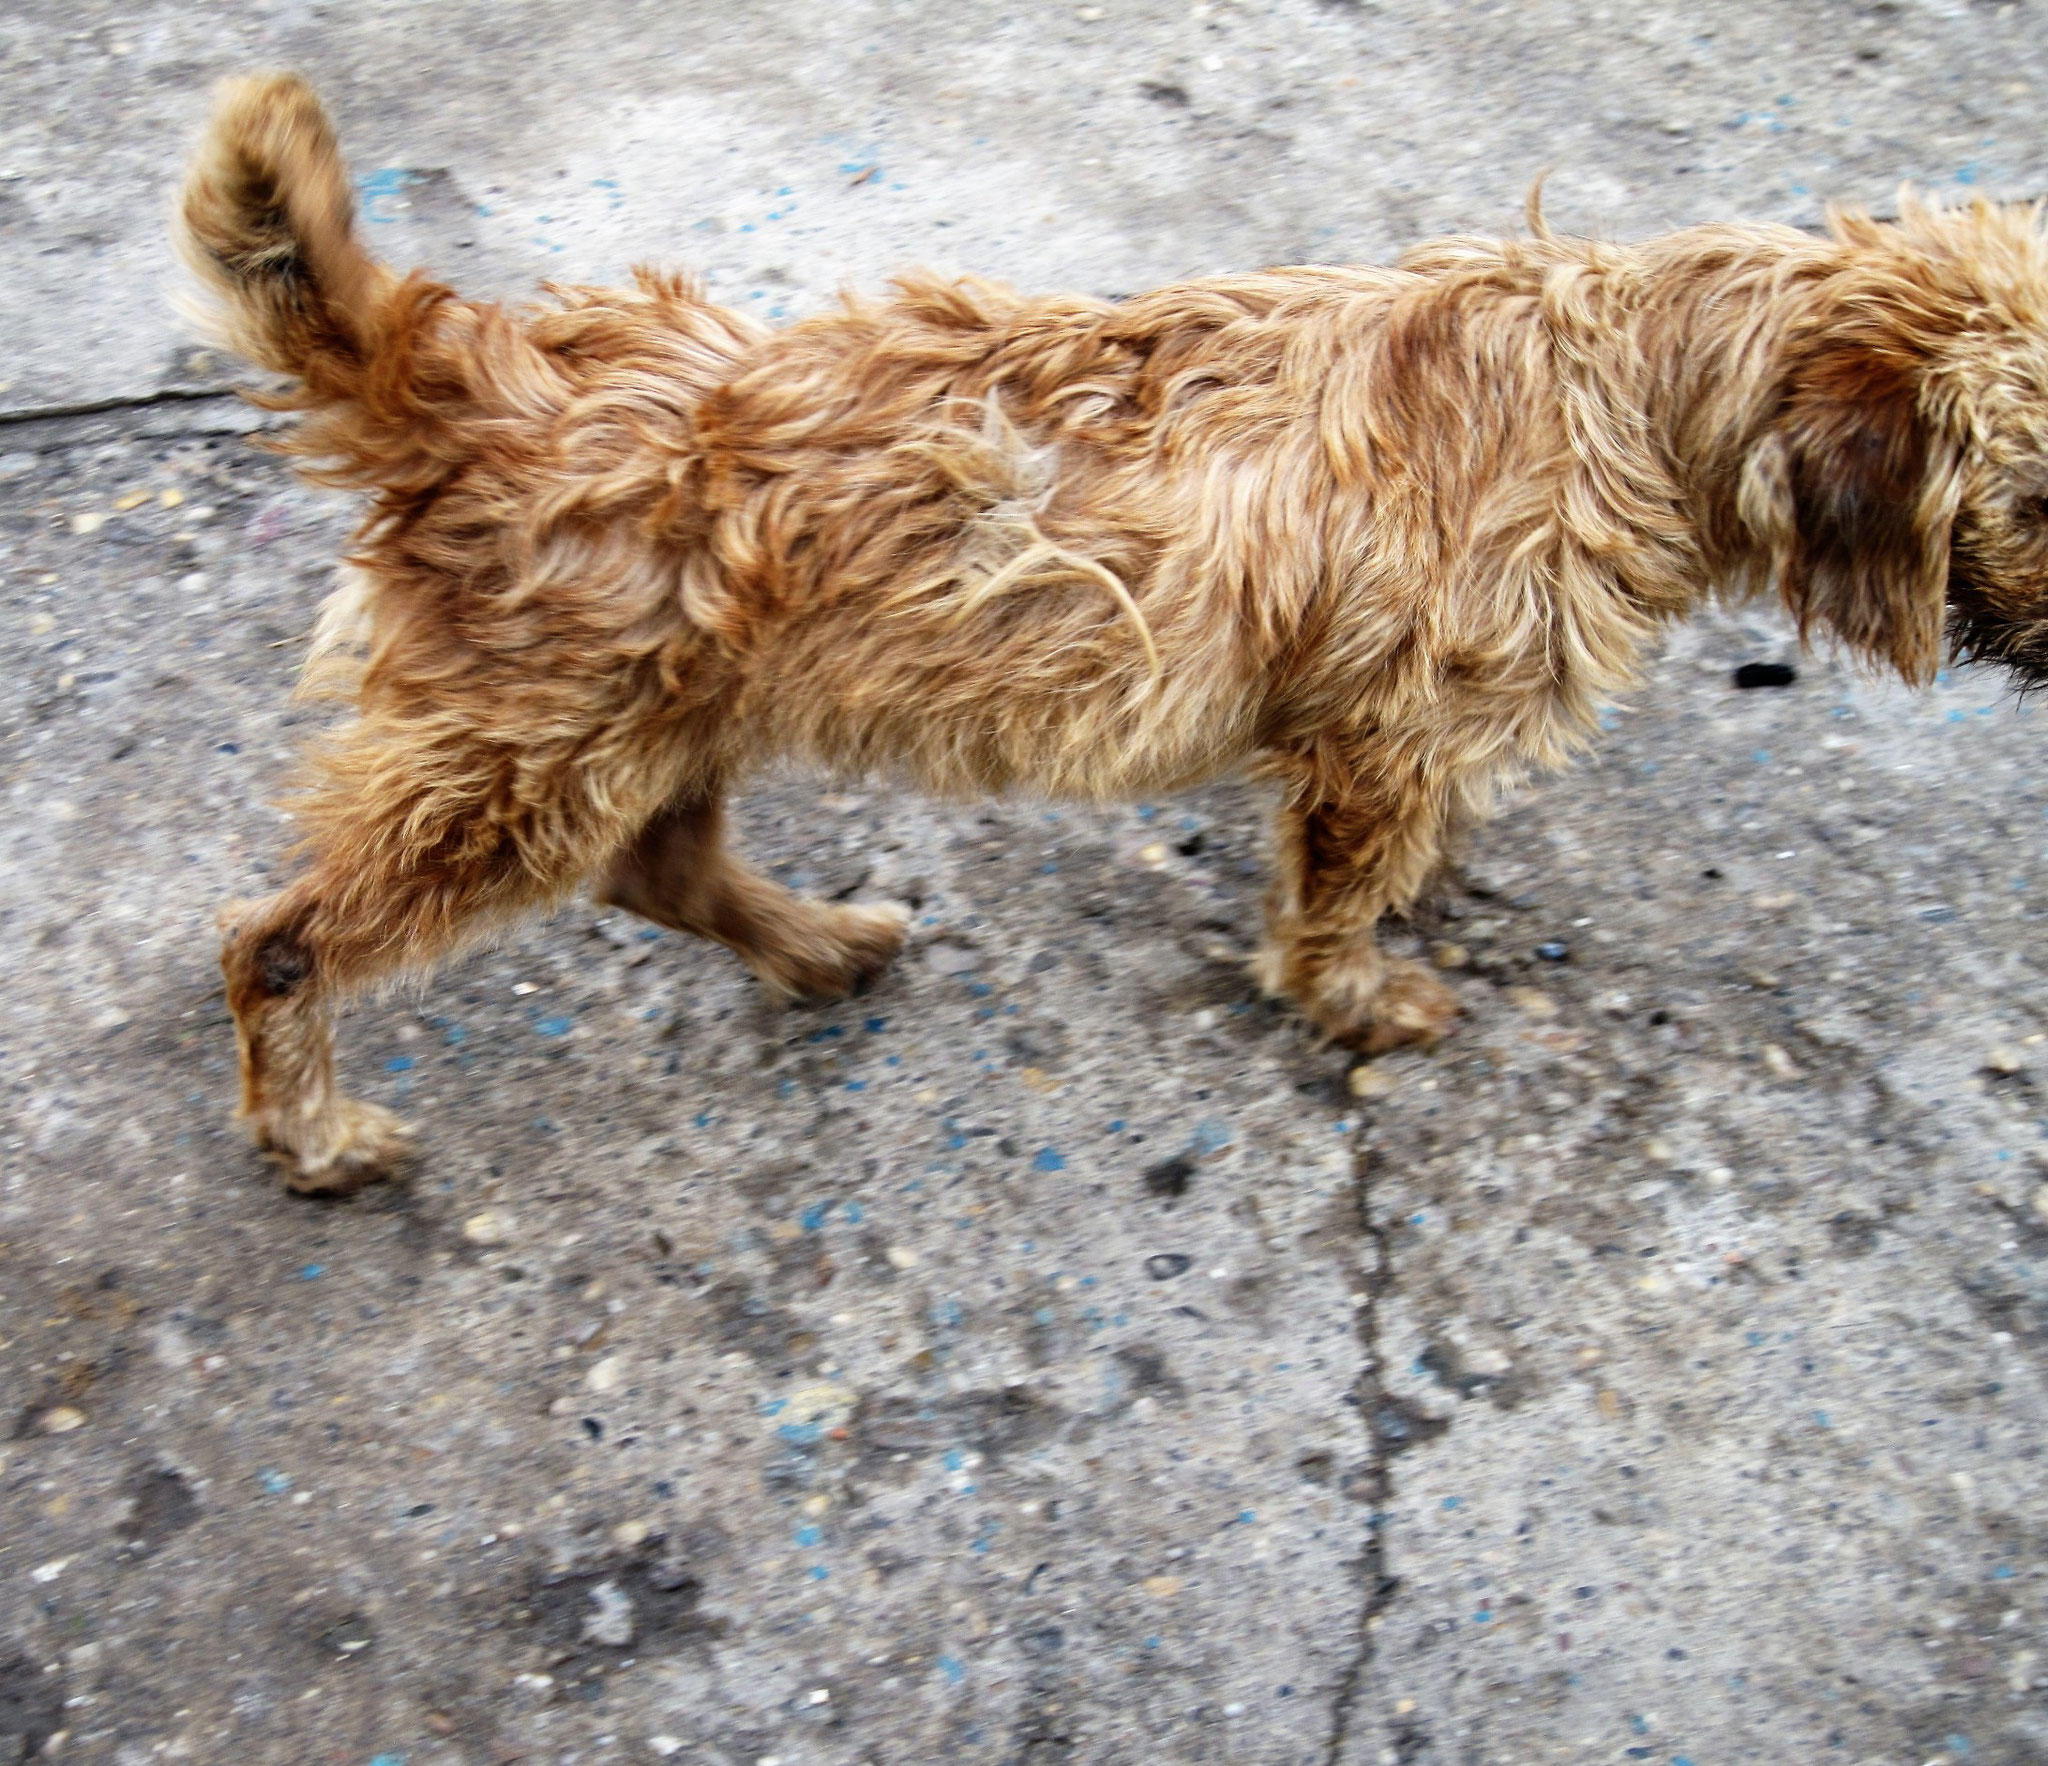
1376, 1586
169, 395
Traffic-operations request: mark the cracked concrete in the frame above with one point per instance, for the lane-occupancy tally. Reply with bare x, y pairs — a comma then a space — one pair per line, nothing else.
1054, 1356
1385, 1431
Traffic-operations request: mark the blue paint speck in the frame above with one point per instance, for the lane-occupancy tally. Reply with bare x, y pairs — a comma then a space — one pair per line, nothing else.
809, 1535
277, 1483
1047, 1159
398, 1064
554, 1026
953, 1668
312, 1272
383, 185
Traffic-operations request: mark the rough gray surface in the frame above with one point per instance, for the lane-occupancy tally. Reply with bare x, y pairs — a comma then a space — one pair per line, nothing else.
1052, 1356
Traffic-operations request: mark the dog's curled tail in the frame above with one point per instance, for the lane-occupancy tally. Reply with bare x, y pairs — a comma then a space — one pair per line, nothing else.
267, 223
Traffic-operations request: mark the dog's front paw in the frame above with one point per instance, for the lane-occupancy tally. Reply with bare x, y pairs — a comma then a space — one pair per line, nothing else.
1394, 1004
347, 1145
851, 947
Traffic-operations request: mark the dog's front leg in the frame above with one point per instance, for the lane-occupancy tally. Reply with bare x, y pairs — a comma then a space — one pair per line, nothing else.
1357, 837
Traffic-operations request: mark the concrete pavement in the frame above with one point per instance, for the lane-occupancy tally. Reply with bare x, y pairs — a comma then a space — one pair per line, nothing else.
1053, 1356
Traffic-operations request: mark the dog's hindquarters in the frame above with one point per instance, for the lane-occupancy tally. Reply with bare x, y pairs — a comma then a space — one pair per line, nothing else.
525, 637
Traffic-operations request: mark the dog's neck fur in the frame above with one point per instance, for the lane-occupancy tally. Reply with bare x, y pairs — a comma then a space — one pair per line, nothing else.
1707, 383
1672, 361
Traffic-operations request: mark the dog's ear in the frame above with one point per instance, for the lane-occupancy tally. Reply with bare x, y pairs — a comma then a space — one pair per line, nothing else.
1853, 493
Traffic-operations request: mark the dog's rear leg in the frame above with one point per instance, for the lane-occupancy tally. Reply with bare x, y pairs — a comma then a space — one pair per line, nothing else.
1350, 850
282, 983
680, 873
407, 862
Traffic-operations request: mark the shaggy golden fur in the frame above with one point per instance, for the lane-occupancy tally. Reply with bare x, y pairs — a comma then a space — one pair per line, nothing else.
1388, 535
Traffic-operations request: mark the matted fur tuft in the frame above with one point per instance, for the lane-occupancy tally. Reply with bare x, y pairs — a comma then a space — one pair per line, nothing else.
1389, 536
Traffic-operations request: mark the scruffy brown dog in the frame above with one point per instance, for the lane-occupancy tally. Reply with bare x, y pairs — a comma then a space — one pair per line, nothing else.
1387, 535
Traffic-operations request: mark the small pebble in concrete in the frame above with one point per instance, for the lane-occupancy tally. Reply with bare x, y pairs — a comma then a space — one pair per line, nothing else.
611, 1621
491, 1227
951, 959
